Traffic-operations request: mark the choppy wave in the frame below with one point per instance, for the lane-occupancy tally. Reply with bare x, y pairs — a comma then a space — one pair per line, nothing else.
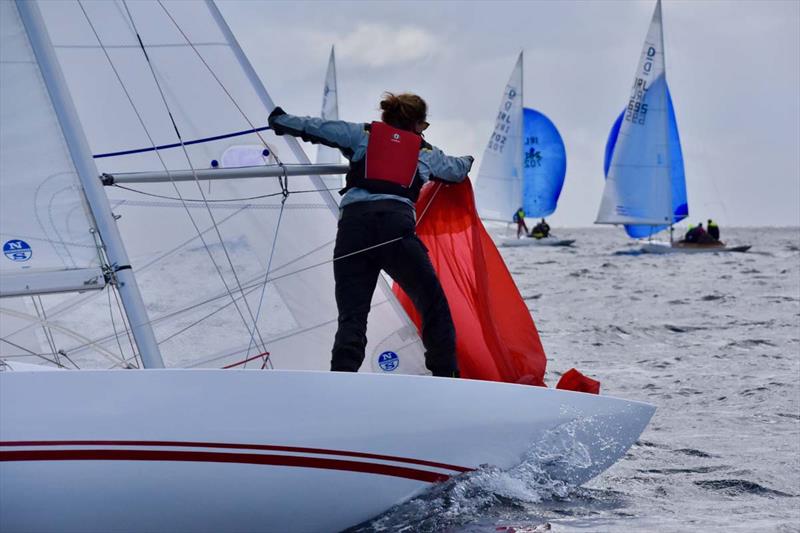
712, 340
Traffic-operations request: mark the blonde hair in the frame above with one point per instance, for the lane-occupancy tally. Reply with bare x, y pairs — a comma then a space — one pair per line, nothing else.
403, 111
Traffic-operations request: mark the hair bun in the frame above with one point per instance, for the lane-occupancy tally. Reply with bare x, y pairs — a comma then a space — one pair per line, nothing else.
403, 111
390, 102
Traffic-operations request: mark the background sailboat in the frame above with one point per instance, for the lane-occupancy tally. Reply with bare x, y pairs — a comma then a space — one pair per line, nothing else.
645, 186
523, 165
330, 111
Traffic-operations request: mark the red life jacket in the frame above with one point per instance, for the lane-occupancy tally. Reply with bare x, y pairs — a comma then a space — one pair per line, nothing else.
390, 164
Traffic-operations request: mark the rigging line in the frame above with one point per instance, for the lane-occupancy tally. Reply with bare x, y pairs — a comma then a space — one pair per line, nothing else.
31, 352
152, 141
84, 298
114, 327
201, 319
243, 199
66, 331
213, 74
50, 342
285, 190
146, 266
368, 248
177, 145
197, 181
48, 331
254, 285
127, 327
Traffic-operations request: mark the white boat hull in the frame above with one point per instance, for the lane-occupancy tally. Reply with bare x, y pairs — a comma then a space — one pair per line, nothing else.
530, 241
656, 247
222, 450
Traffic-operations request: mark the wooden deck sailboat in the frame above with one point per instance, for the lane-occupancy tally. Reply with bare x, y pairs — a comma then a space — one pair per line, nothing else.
216, 275
524, 165
645, 186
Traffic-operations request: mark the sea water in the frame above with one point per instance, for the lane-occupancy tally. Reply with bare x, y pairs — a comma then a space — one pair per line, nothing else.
713, 340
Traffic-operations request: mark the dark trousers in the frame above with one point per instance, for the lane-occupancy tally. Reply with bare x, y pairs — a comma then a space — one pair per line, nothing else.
366, 224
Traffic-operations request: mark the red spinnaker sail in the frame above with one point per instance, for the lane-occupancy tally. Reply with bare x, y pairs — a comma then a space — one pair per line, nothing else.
496, 338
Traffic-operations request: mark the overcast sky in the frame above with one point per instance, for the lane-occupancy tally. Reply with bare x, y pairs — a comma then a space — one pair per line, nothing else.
733, 68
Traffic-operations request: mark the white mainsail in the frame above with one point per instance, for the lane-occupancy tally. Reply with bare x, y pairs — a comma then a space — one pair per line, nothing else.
46, 231
330, 111
165, 86
498, 188
638, 187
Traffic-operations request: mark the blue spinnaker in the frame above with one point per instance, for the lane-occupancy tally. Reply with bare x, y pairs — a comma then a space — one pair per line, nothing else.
680, 206
544, 164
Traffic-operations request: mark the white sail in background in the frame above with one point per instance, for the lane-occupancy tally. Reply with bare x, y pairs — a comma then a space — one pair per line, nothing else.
46, 231
498, 188
202, 265
330, 111
638, 187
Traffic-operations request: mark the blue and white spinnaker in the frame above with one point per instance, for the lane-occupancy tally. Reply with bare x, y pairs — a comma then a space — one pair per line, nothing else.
544, 163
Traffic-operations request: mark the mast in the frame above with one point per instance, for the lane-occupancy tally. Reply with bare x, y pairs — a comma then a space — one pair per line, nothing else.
92, 189
666, 111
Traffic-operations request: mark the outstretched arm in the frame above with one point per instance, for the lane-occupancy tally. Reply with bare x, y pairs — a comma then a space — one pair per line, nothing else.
436, 164
334, 133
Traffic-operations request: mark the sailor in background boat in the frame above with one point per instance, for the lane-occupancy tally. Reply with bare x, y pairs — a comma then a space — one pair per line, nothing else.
519, 218
694, 233
698, 235
713, 229
541, 230
389, 163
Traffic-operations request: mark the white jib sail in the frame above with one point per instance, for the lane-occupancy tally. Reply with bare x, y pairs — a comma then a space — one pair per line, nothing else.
638, 187
330, 111
202, 265
46, 231
498, 188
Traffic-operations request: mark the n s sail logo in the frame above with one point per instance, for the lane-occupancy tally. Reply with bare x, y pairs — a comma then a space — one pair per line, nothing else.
17, 250
388, 361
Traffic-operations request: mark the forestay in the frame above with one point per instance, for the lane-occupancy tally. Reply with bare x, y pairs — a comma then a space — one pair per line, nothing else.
638, 188
182, 95
499, 183
46, 231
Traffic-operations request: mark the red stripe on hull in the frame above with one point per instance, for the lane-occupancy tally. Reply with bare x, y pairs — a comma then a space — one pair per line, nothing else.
213, 457
223, 445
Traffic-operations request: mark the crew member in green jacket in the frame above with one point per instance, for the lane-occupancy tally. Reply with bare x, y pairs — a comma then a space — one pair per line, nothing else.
519, 218
713, 229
